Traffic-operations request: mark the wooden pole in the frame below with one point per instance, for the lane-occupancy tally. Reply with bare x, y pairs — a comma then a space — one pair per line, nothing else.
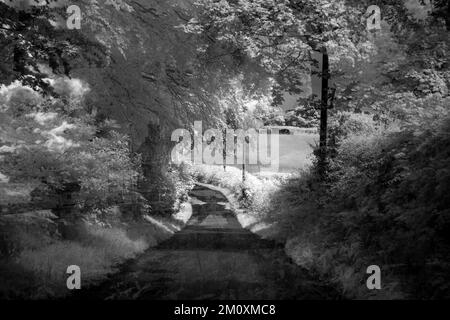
224, 150
243, 162
324, 113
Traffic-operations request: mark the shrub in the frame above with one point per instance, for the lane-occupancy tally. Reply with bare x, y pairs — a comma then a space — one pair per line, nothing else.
384, 202
56, 143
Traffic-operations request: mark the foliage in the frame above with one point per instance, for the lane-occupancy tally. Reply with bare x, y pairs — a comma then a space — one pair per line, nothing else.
306, 116
28, 38
274, 118
281, 35
385, 187
257, 190
54, 143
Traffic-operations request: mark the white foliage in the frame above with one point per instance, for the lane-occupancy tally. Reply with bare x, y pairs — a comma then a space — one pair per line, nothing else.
56, 142
70, 88
43, 117
17, 94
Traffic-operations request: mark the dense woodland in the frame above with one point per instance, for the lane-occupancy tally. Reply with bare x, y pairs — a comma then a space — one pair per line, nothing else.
86, 117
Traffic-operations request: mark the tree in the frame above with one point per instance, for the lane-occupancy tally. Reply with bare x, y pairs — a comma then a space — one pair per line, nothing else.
53, 146
371, 71
281, 35
49, 139
305, 116
28, 38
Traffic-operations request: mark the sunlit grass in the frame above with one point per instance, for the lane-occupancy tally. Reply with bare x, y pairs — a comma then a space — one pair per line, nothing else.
98, 254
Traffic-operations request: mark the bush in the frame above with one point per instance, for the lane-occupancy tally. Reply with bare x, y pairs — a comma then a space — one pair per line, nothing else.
384, 202
253, 194
56, 143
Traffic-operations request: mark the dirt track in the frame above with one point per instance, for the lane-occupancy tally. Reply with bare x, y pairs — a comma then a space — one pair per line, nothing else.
213, 258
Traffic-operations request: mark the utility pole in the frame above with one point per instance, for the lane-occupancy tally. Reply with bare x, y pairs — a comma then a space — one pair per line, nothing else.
245, 142
243, 167
323, 163
224, 140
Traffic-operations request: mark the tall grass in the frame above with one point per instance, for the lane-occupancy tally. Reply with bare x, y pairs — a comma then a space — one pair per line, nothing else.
97, 252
